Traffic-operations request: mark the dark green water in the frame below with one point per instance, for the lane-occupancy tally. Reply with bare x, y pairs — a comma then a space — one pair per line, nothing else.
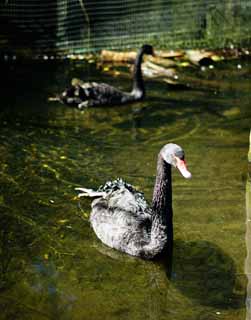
51, 264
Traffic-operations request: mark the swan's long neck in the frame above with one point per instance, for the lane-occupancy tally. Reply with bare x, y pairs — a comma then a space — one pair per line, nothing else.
138, 90
162, 225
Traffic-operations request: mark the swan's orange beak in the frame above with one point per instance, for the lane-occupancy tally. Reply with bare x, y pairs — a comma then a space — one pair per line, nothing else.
181, 165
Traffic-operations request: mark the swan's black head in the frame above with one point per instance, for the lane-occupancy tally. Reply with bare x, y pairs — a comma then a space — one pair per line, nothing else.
147, 49
174, 155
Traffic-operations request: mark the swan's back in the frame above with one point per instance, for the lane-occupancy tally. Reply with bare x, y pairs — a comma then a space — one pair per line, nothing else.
94, 90
94, 94
122, 218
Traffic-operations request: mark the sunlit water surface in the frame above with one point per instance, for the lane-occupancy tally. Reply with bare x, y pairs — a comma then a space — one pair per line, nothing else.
52, 266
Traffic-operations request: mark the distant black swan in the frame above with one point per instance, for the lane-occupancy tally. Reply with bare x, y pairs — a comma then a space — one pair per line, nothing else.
89, 94
121, 217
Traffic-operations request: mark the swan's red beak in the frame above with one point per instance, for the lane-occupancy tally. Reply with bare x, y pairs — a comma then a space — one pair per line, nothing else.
181, 165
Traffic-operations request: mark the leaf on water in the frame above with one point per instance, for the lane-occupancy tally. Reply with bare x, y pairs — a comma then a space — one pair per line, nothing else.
62, 221
184, 64
85, 215
216, 58
231, 112
50, 169
42, 202
142, 130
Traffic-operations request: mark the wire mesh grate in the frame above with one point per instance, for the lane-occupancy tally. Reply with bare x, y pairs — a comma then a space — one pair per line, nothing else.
79, 26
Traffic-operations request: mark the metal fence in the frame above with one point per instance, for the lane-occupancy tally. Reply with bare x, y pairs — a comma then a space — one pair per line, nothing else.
78, 26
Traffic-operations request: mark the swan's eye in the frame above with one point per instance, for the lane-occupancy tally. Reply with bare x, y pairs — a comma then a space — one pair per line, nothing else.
180, 156
179, 159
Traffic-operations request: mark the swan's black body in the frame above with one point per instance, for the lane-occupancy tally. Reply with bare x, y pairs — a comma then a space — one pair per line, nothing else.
91, 94
122, 219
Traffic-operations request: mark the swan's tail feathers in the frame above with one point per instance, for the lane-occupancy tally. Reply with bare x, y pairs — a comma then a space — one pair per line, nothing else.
83, 192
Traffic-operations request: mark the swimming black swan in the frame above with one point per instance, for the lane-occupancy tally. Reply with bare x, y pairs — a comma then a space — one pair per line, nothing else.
121, 217
91, 94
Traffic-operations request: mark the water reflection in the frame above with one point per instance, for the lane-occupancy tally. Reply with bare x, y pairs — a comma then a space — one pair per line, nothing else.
248, 245
205, 273
57, 286
200, 270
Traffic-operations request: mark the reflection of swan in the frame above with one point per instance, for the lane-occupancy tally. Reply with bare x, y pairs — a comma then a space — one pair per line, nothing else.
205, 273
90, 94
121, 217
248, 241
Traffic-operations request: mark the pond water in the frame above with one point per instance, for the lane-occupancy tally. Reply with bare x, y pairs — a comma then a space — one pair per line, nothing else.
52, 266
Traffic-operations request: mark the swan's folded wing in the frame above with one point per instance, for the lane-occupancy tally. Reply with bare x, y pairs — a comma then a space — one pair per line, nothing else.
123, 201
94, 90
122, 218
131, 203
123, 196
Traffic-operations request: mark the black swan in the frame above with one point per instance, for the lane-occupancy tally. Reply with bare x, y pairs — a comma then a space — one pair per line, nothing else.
121, 217
89, 94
